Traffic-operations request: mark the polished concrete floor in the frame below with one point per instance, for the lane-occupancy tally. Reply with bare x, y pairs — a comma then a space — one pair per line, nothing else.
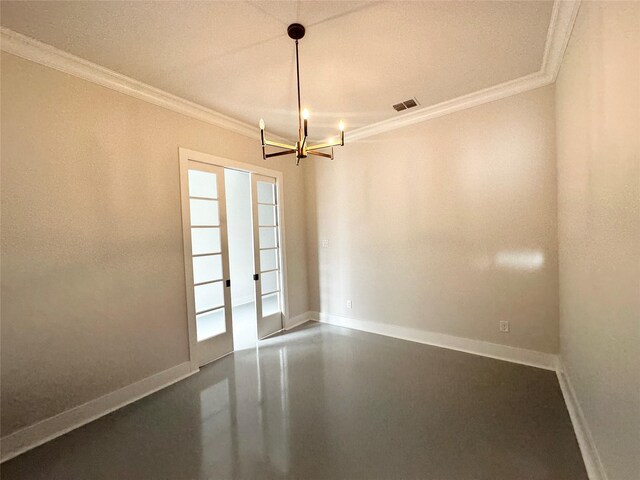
323, 402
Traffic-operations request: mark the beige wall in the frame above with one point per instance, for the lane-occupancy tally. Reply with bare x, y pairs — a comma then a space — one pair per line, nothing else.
598, 134
93, 289
447, 226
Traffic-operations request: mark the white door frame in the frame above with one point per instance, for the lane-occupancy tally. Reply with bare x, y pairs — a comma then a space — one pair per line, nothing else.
187, 155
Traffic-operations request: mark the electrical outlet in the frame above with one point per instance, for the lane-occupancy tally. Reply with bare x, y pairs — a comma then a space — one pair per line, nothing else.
349, 304
504, 326
325, 243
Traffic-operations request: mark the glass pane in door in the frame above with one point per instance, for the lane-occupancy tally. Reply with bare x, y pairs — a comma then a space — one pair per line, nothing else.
203, 184
268, 237
266, 215
210, 324
204, 212
269, 257
270, 282
270, 304
206, 254
207, 268
266, 193
205, 240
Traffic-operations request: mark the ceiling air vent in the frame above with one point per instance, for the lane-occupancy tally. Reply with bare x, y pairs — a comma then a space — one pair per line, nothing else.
412, 102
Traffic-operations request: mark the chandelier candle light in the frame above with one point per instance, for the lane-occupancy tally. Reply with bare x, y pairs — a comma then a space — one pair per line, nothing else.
300, 149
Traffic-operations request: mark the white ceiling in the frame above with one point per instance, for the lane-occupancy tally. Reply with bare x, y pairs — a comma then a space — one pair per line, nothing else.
357, 59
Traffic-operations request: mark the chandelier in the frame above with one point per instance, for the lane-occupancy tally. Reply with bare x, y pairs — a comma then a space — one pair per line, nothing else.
300, 149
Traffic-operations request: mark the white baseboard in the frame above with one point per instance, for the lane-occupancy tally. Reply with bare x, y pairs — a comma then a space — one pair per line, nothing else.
293, 322
592, 461
34, 435
533, 358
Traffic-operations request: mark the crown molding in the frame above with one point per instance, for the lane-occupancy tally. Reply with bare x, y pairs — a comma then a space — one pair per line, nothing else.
563, 17
506, 89
31, 49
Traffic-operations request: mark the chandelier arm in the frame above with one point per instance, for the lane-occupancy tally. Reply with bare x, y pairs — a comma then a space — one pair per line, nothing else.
321, 154
320, 146
284, 152
280, 145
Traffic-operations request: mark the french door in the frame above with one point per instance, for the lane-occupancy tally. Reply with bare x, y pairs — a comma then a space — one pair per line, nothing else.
267, 254
207, 259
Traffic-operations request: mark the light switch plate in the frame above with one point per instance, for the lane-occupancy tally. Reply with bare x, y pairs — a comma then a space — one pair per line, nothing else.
504, 326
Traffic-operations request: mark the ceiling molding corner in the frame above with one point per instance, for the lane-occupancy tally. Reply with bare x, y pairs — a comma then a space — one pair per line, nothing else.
563, 18
561, 23
22, 46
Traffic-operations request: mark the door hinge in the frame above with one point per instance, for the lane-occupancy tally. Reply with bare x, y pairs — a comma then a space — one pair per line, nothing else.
256, 277
228, 283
